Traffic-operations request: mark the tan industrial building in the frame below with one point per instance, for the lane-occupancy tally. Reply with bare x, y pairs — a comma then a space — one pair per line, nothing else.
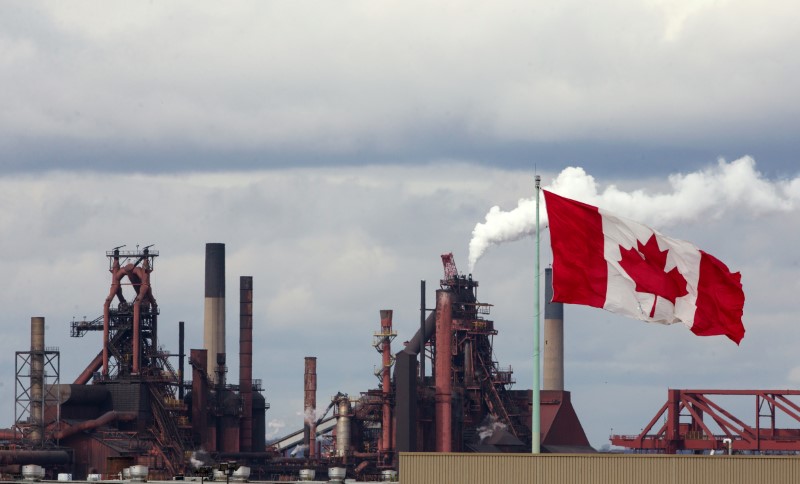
439, 468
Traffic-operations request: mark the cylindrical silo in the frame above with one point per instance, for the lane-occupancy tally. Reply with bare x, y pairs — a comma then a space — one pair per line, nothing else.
214, 311
343, 427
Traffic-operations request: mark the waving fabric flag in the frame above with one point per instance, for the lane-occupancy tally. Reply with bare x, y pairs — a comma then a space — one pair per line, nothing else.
609, 262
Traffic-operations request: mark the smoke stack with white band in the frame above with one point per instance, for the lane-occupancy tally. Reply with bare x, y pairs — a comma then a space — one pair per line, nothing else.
553, 337
214, 311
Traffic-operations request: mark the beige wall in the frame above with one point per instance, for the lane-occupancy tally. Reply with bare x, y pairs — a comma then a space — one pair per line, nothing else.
422, 468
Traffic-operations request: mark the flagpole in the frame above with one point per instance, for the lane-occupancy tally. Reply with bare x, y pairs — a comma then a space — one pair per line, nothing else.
536, 397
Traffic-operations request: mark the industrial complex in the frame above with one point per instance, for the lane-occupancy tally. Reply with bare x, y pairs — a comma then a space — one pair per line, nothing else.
134, 406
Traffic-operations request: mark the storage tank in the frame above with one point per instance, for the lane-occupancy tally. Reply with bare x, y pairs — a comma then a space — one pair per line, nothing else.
336, 474
139, 473
31, 472
241, 474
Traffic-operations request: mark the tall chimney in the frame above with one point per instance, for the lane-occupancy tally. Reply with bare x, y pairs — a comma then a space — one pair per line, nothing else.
386, 377
310, 406
37, 379
553, 337
443, 370
199, 363
246, 361
181, 358
214, 311
422, 332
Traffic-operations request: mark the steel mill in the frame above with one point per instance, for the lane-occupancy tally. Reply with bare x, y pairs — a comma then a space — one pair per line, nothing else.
444, 390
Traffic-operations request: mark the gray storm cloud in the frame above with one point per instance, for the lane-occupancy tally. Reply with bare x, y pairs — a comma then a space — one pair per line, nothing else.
735, 186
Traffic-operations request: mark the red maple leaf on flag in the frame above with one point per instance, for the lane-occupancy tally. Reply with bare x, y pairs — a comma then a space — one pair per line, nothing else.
646, 268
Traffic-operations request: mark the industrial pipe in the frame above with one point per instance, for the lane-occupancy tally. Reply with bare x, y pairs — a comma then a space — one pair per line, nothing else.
38, 457
116, 290
414, 345
92, 367
104, 419
443, 378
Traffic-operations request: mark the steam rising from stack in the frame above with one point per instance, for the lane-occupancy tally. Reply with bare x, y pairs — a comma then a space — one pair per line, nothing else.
727, 187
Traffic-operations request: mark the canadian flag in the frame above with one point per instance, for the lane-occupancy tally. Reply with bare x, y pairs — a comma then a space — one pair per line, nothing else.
609, 262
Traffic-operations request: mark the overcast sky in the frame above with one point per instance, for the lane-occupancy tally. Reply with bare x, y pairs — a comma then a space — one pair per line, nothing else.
338, 148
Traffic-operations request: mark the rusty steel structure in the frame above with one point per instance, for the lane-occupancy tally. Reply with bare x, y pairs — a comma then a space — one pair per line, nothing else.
468, 404
383, 343
130, 406
697, 421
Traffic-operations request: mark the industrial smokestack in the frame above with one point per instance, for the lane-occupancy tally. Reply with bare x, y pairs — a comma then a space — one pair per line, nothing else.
443, 362
246, 361
553, 338
181, 358
199, 363
310, 404
37, 379
214, 311
422, 332
386, 351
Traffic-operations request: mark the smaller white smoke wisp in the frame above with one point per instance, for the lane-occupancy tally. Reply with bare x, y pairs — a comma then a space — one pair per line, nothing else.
491, 424
299, 451
723, 188
310, 415
274, 426
199, 458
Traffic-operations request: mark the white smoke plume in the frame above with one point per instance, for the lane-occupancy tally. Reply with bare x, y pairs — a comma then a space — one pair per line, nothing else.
199, 458
299, 451
274, 427
489, 427
311, 415
726, 187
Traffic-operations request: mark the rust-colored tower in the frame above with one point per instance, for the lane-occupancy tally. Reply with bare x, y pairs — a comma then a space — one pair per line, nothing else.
383, 343
310, 405
443, 380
